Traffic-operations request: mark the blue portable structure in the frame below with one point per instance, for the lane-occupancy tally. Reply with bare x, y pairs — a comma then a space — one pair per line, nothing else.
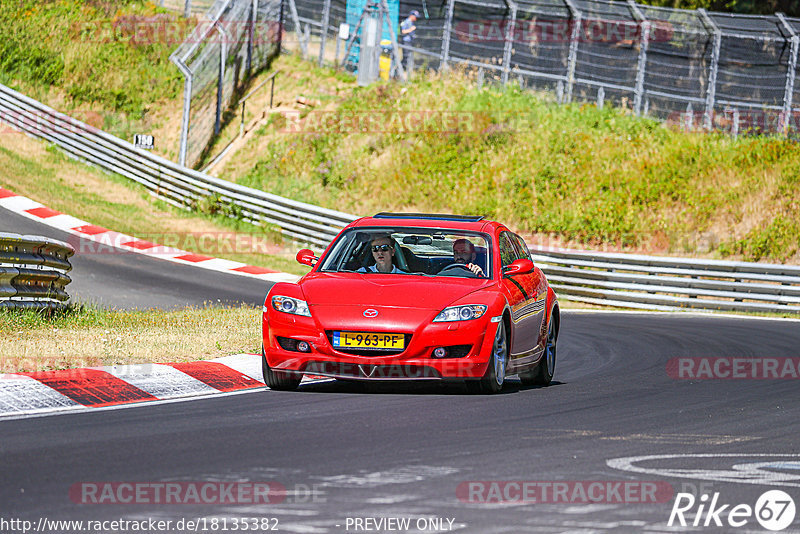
353, 13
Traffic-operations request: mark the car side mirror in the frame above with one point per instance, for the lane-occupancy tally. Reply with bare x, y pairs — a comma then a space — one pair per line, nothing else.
306, 257
522, 266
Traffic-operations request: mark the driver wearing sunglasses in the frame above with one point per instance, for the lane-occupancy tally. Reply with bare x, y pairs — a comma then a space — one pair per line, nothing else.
382, 249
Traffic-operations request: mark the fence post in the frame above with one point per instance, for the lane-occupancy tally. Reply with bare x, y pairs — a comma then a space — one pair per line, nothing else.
297, 29
783, 126
187, 104
279, 51
601, 97
250, 36
223, 53
448, 28
644, 43
508, 38
187, 8
573, 47
326, 19
711, 91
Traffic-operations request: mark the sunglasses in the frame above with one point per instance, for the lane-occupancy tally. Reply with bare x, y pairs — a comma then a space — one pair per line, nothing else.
381, 248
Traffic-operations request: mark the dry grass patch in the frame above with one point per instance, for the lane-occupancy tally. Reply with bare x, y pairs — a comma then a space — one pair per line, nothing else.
92, 337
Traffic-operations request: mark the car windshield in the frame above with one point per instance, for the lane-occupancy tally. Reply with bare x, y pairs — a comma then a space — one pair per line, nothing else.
412, 251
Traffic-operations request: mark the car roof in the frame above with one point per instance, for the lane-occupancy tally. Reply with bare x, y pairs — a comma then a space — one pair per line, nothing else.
475, 223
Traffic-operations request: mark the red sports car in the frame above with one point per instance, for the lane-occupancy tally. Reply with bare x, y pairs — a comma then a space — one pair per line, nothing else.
412, 297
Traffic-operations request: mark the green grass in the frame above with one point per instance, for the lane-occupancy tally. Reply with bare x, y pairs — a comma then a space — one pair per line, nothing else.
596, 177
96, 52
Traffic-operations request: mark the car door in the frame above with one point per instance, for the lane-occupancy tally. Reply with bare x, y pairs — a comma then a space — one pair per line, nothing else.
538, 284
521, 291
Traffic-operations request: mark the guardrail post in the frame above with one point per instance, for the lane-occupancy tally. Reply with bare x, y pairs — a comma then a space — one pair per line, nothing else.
711, 90
448, 28
326, 17
791, 69
509, 39
577, 21
644, 43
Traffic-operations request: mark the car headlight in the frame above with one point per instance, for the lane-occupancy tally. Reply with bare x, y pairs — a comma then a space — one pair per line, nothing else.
460, 313
290, 305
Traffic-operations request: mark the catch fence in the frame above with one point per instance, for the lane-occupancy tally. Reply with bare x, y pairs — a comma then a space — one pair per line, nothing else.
697, 68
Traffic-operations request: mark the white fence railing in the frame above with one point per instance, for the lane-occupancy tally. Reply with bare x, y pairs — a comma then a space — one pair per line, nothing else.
33, 271
623, 280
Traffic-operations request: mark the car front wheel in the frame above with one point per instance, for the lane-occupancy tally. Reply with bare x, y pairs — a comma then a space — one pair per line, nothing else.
279, 380
493, 380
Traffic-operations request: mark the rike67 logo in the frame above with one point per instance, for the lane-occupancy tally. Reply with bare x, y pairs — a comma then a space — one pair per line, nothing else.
774, 510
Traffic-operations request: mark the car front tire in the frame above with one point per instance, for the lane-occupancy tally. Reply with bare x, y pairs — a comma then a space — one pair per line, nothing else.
278, 380
494, 378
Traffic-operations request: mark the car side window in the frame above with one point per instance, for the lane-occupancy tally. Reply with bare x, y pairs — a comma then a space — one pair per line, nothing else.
523, 250
508, 252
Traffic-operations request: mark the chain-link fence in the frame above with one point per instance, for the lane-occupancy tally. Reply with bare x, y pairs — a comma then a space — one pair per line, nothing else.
234, 39
697, 68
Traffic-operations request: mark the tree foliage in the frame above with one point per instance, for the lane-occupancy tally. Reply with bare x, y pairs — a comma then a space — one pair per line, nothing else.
755, 7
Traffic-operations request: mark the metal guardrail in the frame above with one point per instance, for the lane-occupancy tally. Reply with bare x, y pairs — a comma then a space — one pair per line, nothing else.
663, 283
33, 272
169, 181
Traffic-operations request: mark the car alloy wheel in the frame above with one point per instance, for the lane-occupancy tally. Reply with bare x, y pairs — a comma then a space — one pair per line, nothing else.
492, 381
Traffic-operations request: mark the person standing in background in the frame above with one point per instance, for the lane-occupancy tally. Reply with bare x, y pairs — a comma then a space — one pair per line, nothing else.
408, 30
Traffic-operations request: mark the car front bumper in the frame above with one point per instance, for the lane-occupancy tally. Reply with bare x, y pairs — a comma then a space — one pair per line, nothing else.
415, 362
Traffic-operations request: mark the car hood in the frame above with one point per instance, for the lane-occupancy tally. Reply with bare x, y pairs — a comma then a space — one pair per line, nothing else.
387, 290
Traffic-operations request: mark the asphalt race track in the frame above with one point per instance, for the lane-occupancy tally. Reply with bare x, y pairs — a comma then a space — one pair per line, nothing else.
134, 281
403, 451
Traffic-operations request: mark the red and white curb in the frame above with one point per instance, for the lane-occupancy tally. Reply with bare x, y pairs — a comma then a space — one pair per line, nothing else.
68, 390
105, 239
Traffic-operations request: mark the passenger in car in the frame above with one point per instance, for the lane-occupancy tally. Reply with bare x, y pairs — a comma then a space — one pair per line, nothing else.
382, 248
464, 253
